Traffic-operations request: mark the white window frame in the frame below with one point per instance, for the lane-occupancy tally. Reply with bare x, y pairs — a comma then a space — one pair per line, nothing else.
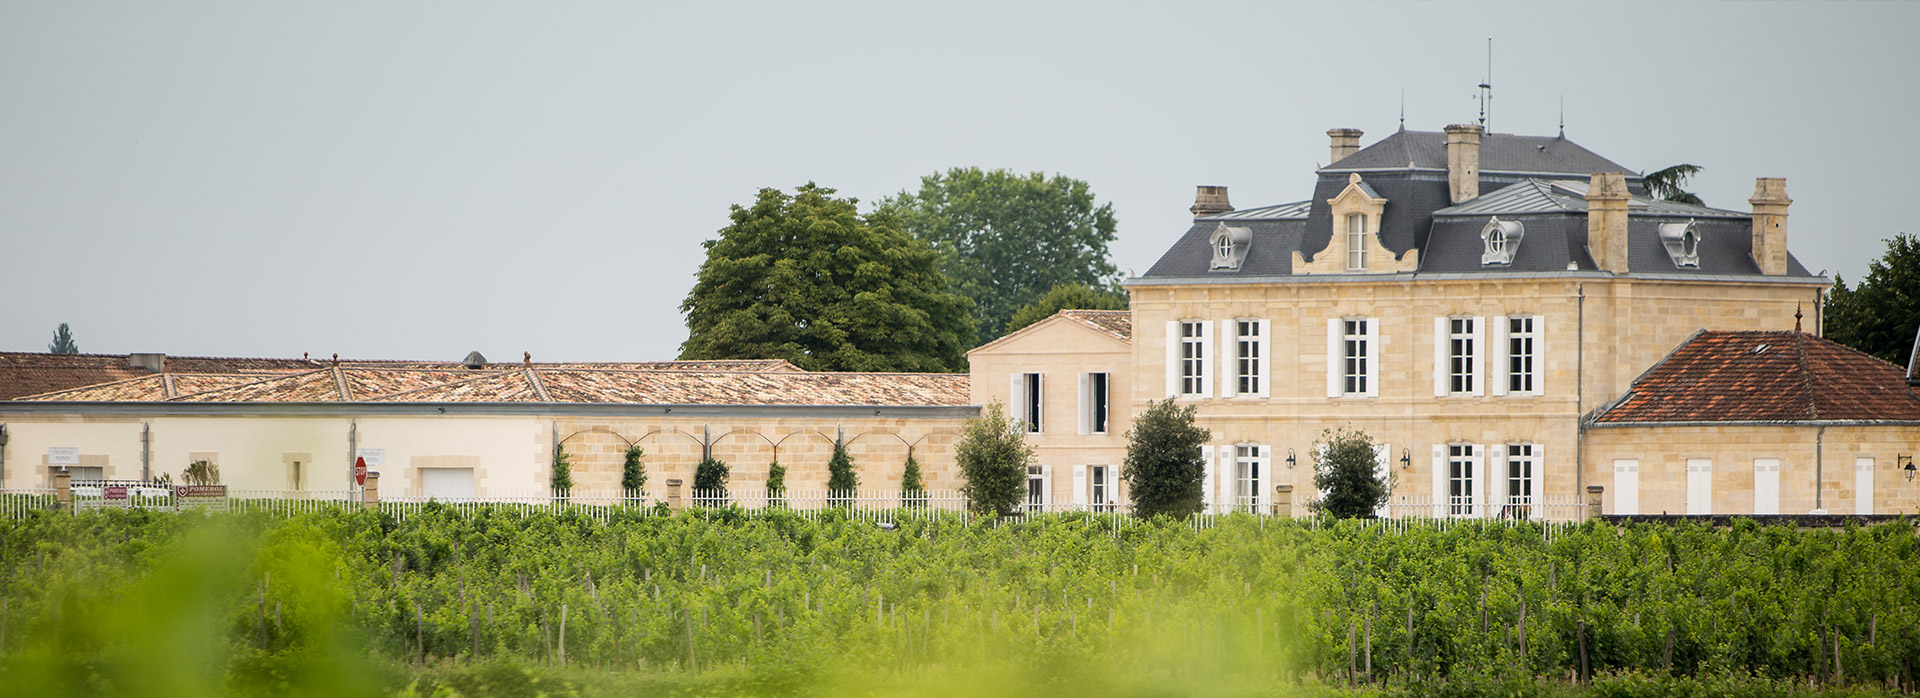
1520, 481
1249, 371
1190, 358
1096, 403
1463, 478
1095, 488
1459, 356
1039, 491
1353, 357
1356, 242
1250, 476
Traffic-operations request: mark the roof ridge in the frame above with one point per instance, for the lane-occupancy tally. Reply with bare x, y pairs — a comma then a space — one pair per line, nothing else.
167, 388
340, 383
539, 388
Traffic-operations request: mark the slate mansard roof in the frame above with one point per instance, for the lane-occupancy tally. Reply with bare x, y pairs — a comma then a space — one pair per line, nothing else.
1538, 181
1720, 376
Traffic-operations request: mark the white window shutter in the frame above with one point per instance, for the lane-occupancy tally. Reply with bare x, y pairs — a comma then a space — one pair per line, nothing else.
1440, 503
1039, 402
1209, 359
1440, 357
1265, 335
1206, 486
1229, 359
1085, 417
1382, 464
1263, 486
1229, 480
1539, 462
1374, 374
1479, 366
1079, 487
1017, 400
1497, 350
1173, 358
1335, 359
1479, 481
1540, 361
1046, 488
1497, 479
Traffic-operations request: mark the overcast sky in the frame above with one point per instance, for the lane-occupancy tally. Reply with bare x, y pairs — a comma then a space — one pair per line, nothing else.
419, 180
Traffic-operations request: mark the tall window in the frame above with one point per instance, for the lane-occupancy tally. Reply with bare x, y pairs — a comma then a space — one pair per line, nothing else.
1356, 242
1097, 403
1100, 494
1460, 351
1247, 356
1030, 403
1460, 480
1192, 358
1520, 462
1036, 488
1520, 354
1246, 477
1354, 363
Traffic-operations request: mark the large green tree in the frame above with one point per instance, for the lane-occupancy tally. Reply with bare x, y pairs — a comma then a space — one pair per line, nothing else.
1006, 238
807, 279
1881, 315
1165, 468
993, 457
1347, 470
1067, 297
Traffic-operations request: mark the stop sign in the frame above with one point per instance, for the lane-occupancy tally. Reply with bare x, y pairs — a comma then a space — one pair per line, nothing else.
360, 472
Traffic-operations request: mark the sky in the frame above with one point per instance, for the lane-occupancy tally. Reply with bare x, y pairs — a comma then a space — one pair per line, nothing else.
419, 180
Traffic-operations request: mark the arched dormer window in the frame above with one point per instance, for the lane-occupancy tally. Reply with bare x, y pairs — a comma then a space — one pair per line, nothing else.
1682, 241
1502, 241
1229, 246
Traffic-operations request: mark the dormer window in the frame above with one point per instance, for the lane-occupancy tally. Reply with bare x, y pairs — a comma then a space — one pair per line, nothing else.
1682, 241
1356, 242
1230, 247
1503, 241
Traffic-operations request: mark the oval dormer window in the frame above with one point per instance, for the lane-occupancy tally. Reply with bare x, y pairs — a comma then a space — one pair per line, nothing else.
1497, 242
1682, 241
1690, 243
1223, 247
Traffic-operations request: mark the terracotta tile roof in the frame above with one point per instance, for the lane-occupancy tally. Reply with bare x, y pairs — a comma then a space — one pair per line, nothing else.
1765, 377
679, 385
25, 373
1118, 323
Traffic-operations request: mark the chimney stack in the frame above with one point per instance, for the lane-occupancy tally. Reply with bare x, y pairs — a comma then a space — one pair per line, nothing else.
1770, 224
1209, 200
1607, 221
156, 363
1463, 161
1346, 141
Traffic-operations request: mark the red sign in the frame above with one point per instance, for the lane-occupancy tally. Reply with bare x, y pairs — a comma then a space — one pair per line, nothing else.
114, 492
360, 472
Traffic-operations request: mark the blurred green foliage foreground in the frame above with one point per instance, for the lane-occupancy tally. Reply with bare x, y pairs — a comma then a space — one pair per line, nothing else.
500, 603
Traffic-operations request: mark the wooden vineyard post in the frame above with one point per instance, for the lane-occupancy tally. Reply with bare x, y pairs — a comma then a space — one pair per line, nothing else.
563, 636
1580, 630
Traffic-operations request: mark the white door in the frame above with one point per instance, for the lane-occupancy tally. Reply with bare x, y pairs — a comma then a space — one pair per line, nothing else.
1863, 485
447, 484
1766, 486
1626, 487
1699, 486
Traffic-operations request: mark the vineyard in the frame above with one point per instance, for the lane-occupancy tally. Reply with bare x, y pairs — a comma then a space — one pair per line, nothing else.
494, 601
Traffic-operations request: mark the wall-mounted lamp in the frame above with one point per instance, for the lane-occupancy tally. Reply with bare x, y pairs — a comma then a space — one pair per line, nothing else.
1290, 459
1903, 461
3, 434
1406, 458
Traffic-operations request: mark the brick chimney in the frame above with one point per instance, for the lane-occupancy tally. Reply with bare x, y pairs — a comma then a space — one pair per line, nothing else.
1346, 141
1607, 221
1463, 161
1770, 224
1209, 200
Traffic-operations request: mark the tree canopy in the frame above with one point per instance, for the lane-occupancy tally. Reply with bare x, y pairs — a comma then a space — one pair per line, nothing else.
1668, 183
1067, 297
1164, 467
1006, 238
63, 341
807, 279
993, 458
1346, 470
1881, 315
